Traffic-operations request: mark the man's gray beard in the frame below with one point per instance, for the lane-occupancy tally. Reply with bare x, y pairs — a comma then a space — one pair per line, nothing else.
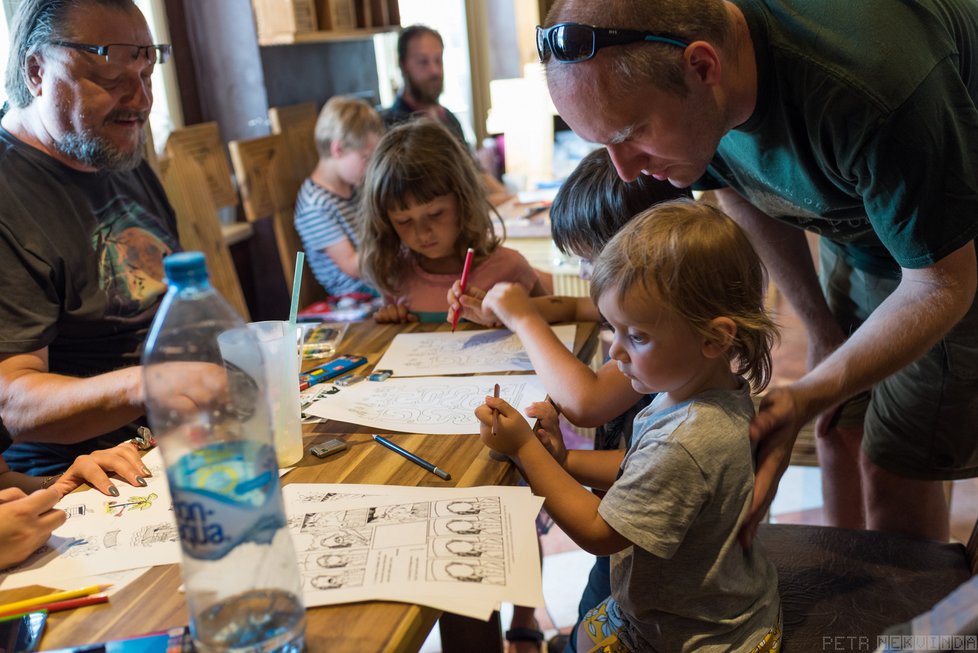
99, 153
419, 94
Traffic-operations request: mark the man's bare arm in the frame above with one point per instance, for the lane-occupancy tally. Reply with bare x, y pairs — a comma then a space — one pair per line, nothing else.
39, 406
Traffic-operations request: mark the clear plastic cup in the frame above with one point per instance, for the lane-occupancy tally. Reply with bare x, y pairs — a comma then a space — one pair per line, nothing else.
280, 349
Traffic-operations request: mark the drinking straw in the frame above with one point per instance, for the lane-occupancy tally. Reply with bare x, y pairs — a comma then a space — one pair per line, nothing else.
300, 258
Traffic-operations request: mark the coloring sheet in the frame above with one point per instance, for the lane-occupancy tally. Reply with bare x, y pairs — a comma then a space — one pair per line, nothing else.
463, 352
433, 405
105, 534
463, 550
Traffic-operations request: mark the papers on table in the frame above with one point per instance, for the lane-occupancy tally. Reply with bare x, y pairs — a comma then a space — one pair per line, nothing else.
463, 352
106, 539
453, 549
104, 535
435, 405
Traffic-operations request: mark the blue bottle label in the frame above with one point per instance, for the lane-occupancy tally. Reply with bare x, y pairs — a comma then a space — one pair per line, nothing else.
226, 494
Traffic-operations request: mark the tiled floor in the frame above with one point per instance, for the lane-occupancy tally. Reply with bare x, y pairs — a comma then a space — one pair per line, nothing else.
799, 501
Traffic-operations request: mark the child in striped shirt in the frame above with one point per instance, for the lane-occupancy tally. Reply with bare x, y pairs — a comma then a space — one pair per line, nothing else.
347, 132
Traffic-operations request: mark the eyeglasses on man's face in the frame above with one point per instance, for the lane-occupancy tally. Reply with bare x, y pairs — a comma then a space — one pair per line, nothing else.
573, 42
123, 54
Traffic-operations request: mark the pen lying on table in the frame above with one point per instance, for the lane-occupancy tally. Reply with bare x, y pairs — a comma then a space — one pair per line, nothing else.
417, 460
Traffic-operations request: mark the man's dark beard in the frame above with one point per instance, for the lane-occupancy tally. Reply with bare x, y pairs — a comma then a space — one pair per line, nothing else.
99, 153
420, 94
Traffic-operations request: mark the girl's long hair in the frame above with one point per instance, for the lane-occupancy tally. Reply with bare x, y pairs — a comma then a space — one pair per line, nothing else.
414, 163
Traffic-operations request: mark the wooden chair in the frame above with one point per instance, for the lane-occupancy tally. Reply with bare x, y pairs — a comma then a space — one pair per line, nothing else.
297, 125
202, 143
261, 166
149, 150
842, 583
198, 225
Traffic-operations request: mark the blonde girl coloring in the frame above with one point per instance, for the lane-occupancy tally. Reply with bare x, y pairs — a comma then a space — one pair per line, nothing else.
423, 206
682, 289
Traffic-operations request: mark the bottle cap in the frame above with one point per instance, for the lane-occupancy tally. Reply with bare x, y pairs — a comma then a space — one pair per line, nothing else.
185, 267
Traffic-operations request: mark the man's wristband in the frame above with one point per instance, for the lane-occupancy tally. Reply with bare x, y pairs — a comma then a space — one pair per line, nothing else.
49, 481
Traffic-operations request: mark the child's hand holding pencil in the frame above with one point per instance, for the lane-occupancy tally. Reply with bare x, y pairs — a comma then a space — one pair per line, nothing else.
503, 428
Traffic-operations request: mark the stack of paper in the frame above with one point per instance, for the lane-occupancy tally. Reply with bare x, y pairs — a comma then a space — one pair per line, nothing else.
420, 399
453, 549
105, 535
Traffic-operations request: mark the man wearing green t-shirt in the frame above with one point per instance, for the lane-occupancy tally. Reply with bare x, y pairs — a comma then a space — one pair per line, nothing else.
853, 120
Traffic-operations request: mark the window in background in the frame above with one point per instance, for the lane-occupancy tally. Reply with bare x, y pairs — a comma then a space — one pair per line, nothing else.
166, 114
448, 17
4, 45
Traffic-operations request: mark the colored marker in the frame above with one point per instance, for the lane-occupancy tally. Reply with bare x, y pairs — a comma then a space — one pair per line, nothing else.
461, 285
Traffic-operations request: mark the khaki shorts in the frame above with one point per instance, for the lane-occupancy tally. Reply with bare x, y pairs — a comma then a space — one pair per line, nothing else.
921, 422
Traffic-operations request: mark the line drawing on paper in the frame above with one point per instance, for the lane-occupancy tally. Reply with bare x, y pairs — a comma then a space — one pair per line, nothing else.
78, 510
467, 525
435, 402
325, 497
118, 508
467, 547
467, 507
337, 579
459, 540
500, 350
487, 572
463, 352
317, 562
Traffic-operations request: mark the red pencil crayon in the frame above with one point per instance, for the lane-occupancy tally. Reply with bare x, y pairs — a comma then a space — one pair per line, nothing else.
81, 602
68, 604
461, 286
495, 413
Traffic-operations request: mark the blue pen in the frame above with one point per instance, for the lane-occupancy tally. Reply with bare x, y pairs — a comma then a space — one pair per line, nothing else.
413, 458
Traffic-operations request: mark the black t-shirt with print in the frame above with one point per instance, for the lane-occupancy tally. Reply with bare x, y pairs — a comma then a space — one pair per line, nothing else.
82, 272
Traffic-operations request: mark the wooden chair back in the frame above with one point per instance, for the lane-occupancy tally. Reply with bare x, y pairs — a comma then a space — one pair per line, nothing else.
149, 150
261, 166
198, 225
202, 143
297, 125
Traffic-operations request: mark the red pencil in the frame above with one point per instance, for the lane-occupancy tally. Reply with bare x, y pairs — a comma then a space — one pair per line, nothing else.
67, 604
465, 279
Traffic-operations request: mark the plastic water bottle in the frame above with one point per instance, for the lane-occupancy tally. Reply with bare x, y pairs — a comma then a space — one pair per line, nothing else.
205, 393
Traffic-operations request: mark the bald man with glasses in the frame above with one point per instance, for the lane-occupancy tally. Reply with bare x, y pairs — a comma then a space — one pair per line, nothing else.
857, 121
84, 227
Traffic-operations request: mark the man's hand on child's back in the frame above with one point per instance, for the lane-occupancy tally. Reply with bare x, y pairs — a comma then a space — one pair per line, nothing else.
773, 431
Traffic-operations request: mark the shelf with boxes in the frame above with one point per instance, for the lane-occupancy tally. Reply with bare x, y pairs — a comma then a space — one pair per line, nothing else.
285, 22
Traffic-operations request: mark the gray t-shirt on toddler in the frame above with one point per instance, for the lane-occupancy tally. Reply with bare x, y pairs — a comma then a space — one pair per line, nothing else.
683, 488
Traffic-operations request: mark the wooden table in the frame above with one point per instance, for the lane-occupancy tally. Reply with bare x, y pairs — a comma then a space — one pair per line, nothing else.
154, 603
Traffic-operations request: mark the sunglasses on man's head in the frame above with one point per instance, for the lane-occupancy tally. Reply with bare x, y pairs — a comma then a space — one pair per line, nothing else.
573, 42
